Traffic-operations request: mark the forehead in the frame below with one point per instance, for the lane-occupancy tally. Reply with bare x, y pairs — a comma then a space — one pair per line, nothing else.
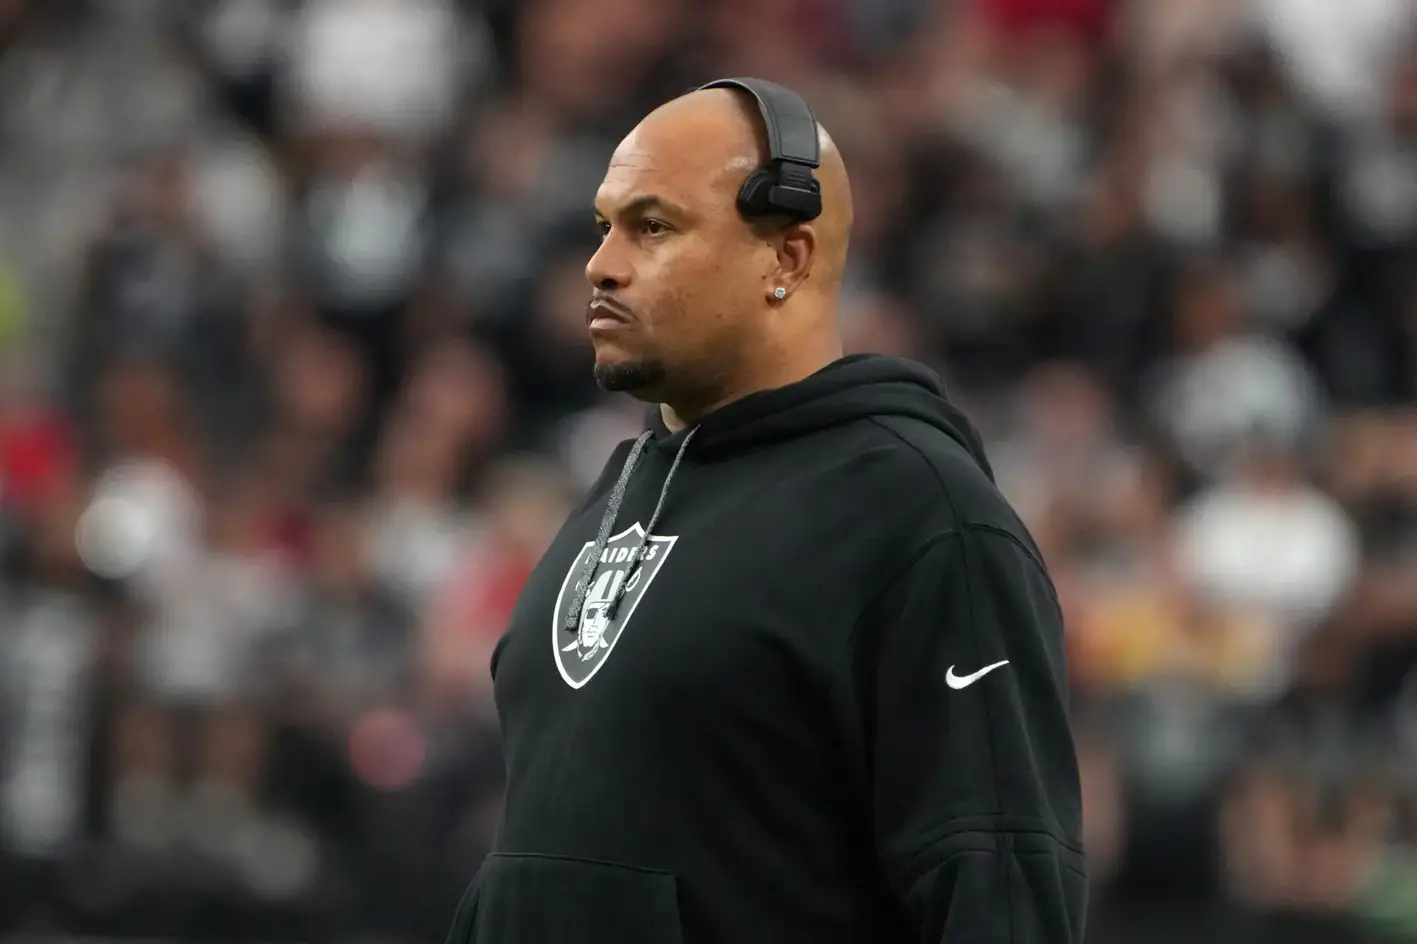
685, 167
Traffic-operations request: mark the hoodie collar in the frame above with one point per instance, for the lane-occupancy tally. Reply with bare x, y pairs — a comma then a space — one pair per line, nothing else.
851, 388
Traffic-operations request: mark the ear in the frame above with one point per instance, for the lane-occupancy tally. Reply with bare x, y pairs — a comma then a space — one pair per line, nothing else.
796, 248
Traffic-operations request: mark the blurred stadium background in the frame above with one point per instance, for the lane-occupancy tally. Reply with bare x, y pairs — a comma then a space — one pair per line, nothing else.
294, 389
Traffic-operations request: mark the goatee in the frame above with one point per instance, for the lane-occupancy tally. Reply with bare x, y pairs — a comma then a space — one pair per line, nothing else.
629, 377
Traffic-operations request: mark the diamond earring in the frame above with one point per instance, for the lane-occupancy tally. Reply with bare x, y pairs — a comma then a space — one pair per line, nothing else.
779, 293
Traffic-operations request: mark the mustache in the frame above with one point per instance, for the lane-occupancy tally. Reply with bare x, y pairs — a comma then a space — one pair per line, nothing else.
607, 303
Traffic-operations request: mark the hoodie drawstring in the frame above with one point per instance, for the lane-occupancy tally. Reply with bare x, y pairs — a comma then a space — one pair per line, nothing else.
607, 525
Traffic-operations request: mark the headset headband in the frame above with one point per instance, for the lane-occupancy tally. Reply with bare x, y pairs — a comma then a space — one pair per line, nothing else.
786, 186
791, 127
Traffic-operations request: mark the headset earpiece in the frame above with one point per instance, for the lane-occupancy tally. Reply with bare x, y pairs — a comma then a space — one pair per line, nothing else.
785, 185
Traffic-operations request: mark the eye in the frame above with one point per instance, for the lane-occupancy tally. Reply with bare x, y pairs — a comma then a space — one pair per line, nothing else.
603, 228
654, 228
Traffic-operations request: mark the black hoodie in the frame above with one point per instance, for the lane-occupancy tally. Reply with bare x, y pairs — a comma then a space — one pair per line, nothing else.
775, 706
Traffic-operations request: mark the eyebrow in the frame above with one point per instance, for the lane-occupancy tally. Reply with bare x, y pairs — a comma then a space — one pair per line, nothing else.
646, 203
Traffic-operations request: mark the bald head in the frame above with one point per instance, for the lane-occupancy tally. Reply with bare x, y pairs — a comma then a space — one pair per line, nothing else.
692, 304
724, 127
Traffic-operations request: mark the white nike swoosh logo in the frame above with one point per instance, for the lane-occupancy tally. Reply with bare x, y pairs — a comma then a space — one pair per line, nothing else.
964, 681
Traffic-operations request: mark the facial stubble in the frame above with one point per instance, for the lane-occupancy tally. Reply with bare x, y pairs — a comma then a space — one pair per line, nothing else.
631, 376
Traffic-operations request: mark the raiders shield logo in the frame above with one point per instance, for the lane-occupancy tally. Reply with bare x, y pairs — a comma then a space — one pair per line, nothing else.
580, 655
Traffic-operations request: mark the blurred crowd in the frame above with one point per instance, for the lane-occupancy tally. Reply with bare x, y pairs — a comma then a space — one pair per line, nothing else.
294, 390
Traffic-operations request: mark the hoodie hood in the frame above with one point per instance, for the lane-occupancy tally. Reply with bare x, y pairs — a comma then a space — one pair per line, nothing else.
849, 389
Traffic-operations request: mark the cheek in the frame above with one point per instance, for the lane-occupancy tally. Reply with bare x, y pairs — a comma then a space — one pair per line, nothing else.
736, 263
696, 296
676, 289
725, 279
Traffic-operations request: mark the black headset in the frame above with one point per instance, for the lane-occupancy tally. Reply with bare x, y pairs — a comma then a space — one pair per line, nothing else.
785, 185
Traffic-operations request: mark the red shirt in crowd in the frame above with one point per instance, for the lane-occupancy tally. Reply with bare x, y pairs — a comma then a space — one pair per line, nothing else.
1088, 19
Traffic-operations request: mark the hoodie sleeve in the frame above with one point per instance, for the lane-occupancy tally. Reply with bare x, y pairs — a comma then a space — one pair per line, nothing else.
970, 775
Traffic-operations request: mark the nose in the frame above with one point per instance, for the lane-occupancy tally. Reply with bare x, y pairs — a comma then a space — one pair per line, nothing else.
608, 269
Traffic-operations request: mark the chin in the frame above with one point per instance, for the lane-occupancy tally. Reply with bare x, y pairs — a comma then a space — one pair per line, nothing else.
638, 376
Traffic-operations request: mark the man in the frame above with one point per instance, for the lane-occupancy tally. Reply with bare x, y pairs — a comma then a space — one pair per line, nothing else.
793, 672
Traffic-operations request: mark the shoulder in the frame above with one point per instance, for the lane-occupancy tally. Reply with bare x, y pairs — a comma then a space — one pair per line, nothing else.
943, 485
924, 484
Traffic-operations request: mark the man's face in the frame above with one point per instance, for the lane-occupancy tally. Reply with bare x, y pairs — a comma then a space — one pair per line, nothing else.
678, 275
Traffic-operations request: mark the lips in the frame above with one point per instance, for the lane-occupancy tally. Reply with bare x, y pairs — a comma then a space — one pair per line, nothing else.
603, 308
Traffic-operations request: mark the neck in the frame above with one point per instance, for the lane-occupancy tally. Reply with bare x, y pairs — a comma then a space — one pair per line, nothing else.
783, 366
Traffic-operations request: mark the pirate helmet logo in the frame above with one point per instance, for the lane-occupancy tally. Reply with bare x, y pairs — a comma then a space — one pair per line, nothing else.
595, 615
580, 654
